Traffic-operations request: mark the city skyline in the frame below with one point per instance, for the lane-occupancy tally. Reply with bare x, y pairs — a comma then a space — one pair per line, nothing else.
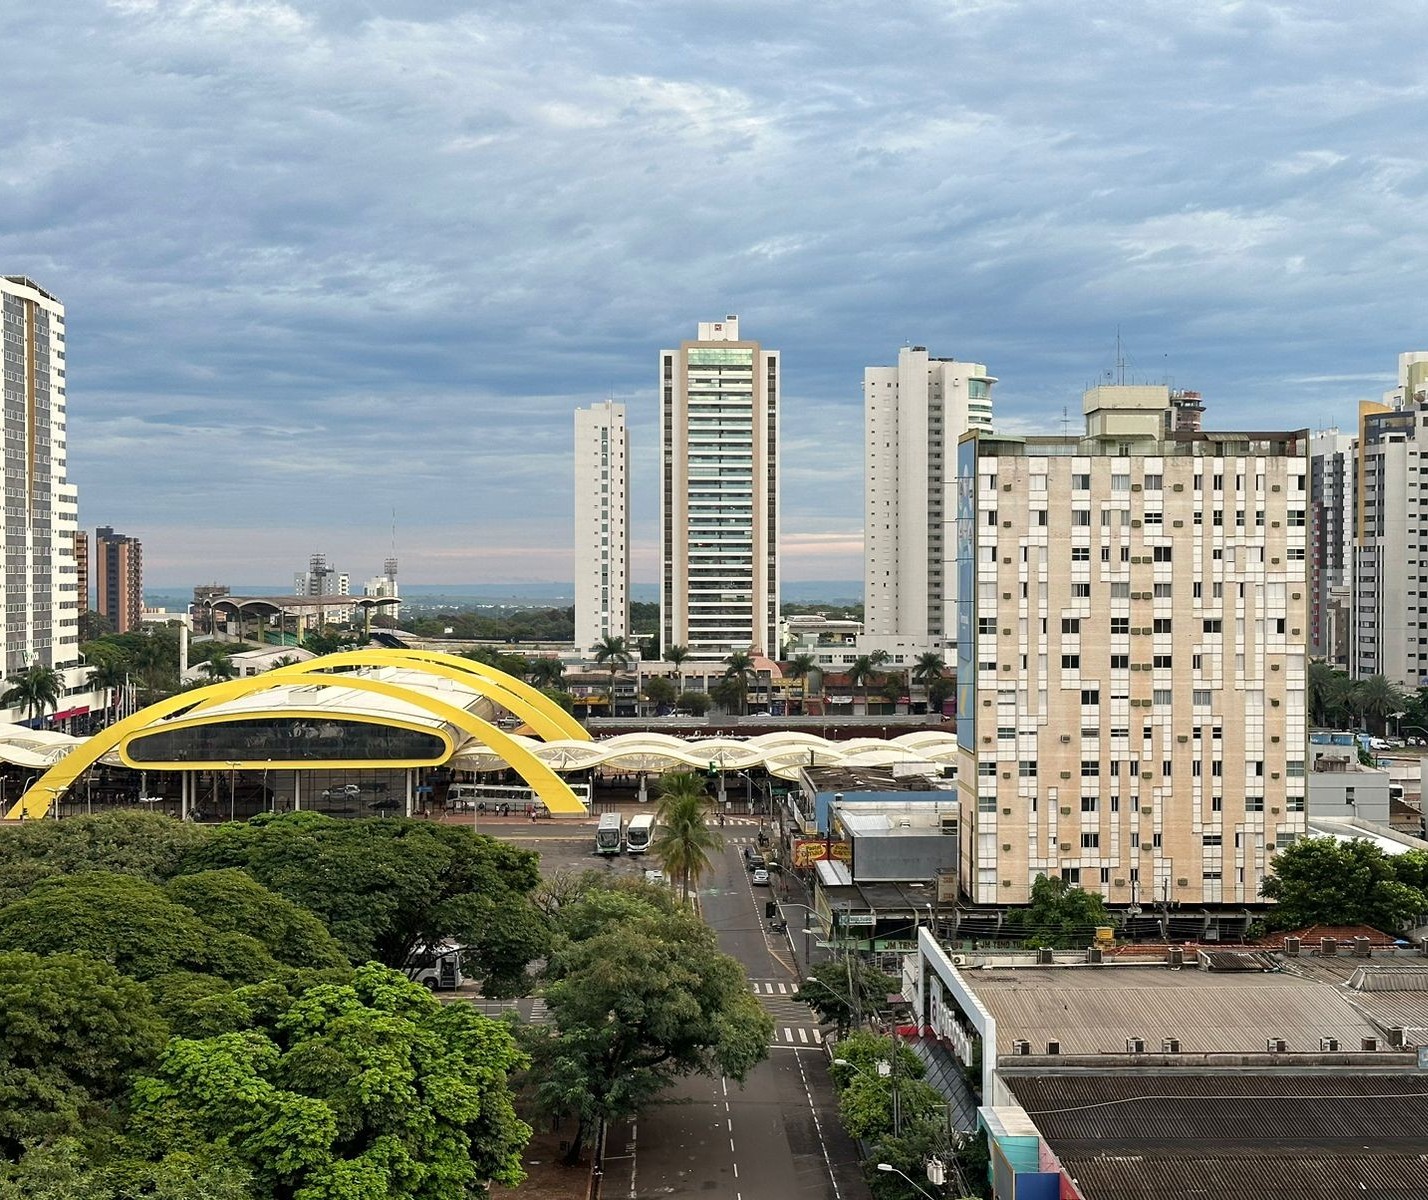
310, 259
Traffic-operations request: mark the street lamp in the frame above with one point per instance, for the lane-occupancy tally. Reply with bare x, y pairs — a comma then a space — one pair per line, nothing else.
895, 1171
232, 803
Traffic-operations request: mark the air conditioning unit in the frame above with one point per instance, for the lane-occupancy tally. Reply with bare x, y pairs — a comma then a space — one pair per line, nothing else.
1053, 1048
1279, 1045
1135, 1045
959, 960
1021, 1046
1368, 1043
1170, 1046
1327, 1044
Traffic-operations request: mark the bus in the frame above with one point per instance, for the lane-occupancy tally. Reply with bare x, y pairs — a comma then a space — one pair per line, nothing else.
610, 835
637, 836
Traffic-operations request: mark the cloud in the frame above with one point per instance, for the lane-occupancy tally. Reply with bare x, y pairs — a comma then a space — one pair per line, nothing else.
323, 261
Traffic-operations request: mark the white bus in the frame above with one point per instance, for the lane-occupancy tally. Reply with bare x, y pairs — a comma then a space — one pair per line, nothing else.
610, 834
637, 836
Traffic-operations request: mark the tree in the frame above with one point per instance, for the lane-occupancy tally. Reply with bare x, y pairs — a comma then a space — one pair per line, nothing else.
1060, 914
845, 991
232, 901
615, 654
36, 690
928, 667
1328, 694
660, 691
148, 846
728, 694
72, 1030
639, 994
546, 672
683, 840
367, 1089
217, 667
93, 625
108, 677
864, 671
676, 655
389, 889
739, 670
696, 703
1374, 699
800, 667
130, 924
1325, 881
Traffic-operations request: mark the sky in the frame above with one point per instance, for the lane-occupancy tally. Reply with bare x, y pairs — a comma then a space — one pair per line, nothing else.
335, 266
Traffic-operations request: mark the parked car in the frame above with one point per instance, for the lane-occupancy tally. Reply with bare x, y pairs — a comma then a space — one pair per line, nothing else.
760, 878
755, 862
347, 791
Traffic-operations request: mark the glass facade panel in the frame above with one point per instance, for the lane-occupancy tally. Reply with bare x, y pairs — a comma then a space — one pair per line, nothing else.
279, 740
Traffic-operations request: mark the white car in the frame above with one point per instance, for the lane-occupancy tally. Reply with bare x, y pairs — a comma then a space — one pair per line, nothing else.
759, 877
348, 791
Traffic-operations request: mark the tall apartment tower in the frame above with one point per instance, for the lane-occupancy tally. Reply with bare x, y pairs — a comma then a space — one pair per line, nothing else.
602, 531
1132, 656
1331, 545
119, 579
1390, 573
719, 494
914, 413
37, 540
81, 568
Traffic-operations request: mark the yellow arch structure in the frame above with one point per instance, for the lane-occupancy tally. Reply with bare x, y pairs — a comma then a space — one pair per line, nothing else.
538, 710
546, 784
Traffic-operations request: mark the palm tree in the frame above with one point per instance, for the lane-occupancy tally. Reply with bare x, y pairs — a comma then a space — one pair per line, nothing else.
220, 666
740, 668
684, 840
929, 666
111, 676
35, 689
547, 672
676, 655
614, 652
800, 667
865, 670
1375, 698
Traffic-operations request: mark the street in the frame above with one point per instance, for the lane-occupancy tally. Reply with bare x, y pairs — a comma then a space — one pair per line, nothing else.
775, 1138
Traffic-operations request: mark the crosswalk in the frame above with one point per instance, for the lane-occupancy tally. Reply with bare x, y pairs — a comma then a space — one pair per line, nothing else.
793, 1025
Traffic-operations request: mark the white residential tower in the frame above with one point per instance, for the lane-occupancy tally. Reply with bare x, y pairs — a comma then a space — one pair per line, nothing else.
602, 538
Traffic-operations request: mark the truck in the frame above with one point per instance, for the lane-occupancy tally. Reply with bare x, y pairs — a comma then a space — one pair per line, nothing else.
638, 833
610, 836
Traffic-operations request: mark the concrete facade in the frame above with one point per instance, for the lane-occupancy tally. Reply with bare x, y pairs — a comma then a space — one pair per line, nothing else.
602, 531
719, 494
37, 540
119, 579
1132, 657
914, 413
1331, 544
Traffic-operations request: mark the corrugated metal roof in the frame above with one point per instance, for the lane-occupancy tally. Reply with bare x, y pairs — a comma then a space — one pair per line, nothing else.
1208, 1177
1093, 1010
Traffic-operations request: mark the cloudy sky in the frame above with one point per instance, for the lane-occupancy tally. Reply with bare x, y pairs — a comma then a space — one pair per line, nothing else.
329, 259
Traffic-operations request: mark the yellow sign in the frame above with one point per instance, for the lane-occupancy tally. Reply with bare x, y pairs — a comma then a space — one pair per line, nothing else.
805, 854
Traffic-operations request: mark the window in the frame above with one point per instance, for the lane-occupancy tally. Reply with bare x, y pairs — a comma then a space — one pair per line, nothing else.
1161, 554
1239, 518
1080, 483
1217, 768
991, 516
1120, 625
1026, 768
1070, 624
1201, 697
1296, 518
1199, 483
986, 804
1115, 769
1217, 518
1120, 662
1161, 625
1090, 841
1162, 591
1120, 483
987, 770
1152, 518
1006, 731
1090, 768
1167, 768
1090, 696
1120, 591
1213, 625
1070, 662
1040, 515
1090, 804
1153, 483
1295, 554
1294, 769
1161, 698
1254, 804
1218, 483
1162, 661
1080, 591
1080, 553
986, 624
1155, 841
1212, 839
1081, 516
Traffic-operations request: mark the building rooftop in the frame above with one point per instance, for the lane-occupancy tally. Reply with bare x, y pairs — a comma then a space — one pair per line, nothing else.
855, 779
1270, 1137
1095, 1010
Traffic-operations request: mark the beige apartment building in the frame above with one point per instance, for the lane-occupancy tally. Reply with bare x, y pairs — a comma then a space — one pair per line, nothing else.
1132, 617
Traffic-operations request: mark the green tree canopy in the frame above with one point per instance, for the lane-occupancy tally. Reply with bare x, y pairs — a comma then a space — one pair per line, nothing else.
35, 690
1325, 881
683, 840
388, 889
232, 901
1060, 914
72, 1029
846, 991
128, 923
639, 994
148, 846
371, 1089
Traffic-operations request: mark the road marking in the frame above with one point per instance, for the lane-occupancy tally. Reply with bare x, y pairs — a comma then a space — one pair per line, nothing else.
817, 1038
783, 989
803, 1036
724, 1083
634, 1160
736, 1170
730, 1124
788, 1033
818, 1128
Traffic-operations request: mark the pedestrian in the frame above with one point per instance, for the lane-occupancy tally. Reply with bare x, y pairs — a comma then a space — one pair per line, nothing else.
533, 819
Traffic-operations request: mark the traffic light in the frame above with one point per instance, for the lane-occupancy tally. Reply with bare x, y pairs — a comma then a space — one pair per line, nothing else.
713, 770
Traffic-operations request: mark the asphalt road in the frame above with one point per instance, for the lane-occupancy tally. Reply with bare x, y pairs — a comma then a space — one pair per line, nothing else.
777, 1136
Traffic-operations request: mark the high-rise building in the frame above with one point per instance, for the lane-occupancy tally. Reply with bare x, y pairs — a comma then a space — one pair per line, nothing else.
719, 494
119, 579
37, 539
322, 579
1131, 656
914, 413
602, 532
1390, 571
384, 584
81, 568
1331, 542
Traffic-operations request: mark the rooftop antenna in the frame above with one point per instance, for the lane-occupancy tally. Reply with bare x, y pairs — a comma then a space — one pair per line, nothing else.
1065, 421
1120, 360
